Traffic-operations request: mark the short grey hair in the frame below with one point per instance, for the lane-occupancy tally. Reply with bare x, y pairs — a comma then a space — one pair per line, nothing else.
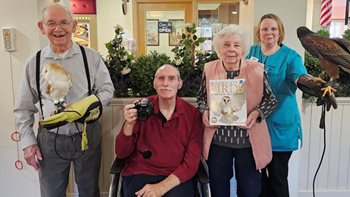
68, 10
168, 65
232, 30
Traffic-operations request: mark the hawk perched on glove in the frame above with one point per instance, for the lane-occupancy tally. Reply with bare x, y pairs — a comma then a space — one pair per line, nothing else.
58, 84
333, 53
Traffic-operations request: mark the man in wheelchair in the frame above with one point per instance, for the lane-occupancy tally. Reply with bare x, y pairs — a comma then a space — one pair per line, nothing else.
161, 141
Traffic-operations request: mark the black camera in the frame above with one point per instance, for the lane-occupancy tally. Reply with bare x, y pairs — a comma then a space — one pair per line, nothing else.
144, 109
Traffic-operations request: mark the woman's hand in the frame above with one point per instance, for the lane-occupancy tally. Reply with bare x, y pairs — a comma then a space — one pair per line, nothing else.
251, 120
205, 118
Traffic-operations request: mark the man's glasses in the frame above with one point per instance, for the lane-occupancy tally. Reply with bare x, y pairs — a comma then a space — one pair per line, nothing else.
62, 24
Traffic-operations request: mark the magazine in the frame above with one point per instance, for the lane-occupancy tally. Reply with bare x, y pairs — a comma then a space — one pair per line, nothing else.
228, 104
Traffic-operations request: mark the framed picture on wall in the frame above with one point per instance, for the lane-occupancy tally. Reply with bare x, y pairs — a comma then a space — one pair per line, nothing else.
152, 35
82, 34
85, 33
176, 33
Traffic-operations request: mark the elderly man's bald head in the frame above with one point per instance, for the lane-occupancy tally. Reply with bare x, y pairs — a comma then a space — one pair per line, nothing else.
168, 65
56, 5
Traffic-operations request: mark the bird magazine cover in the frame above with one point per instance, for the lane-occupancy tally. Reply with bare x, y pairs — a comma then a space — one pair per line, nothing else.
227, 102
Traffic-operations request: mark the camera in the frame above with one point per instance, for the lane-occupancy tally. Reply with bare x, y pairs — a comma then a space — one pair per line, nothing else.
144, 109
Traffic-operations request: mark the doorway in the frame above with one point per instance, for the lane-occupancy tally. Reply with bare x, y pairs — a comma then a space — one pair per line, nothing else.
156, 23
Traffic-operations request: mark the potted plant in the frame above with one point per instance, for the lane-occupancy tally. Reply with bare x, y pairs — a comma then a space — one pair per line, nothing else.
118, 63
190, 60
133, 77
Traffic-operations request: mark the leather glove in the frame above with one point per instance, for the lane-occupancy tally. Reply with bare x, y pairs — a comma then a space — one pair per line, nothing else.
86, 110
309, 85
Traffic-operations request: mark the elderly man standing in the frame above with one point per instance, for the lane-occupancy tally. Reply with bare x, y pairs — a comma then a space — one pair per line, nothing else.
163, 146
73, 135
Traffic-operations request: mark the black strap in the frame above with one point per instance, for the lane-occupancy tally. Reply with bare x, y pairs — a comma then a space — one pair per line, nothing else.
86, 68
37, 75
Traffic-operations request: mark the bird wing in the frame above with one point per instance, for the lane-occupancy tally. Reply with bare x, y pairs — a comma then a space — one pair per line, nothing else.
59, 89
330, 52
237, 101
331, 69
326, 48
345, 44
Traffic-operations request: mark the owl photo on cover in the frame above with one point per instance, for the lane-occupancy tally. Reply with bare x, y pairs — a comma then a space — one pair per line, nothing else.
228, 106
58, 84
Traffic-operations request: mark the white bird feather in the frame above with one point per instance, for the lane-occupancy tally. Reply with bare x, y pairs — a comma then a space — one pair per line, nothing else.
228, 107
58, 82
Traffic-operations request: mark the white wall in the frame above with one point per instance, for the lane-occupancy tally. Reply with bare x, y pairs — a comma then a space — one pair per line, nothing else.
22, 15
109, 14
246, 17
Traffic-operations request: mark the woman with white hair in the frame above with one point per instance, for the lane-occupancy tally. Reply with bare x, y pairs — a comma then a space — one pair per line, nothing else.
249, 145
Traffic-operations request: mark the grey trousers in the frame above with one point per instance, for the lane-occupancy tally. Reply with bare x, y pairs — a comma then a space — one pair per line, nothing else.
54, 171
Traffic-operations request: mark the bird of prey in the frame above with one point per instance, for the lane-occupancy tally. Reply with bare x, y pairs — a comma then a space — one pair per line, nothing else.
228, 107
333, 53
58, 84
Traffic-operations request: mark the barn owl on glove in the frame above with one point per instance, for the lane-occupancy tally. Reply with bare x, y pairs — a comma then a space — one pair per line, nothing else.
58, 84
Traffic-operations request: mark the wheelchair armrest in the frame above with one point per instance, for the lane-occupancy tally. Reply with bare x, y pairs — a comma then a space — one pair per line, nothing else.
115, 186
117, 166
202, 172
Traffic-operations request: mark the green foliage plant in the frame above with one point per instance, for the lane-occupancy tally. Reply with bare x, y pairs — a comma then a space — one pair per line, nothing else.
142, 73
190, 60
133, 77
118, 63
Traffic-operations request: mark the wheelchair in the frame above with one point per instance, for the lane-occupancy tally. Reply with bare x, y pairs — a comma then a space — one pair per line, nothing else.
115, 188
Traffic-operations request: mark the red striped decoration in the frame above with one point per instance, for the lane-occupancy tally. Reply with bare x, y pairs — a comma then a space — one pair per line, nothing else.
326, 13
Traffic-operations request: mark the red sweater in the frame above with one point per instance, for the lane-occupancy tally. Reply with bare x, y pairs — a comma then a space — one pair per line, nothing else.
175, 146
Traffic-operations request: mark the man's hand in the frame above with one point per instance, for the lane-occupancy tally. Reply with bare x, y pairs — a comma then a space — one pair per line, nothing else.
159, 189
130, 115
32, 154
151, 190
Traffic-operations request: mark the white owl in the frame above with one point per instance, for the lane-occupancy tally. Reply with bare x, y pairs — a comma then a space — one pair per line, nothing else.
58, 84
228, 106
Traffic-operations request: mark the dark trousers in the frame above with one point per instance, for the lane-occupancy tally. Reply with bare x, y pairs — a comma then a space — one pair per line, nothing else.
54, 171
275, 176
220, 163
134, 183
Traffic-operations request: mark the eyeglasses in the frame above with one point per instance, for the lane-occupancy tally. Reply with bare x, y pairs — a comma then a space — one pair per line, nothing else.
62, 24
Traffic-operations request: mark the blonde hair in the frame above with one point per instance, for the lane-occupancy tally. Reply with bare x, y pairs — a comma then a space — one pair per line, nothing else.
279, 25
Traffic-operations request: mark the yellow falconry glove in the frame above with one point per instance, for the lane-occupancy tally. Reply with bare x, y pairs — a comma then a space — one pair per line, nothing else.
85, 111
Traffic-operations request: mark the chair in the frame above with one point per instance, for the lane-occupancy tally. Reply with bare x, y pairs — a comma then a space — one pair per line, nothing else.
115, 188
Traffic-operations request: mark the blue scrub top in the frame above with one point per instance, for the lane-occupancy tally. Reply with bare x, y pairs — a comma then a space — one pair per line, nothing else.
283, 68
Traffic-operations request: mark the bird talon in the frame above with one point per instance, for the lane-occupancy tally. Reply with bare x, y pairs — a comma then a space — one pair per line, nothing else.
328, 89
314, 79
